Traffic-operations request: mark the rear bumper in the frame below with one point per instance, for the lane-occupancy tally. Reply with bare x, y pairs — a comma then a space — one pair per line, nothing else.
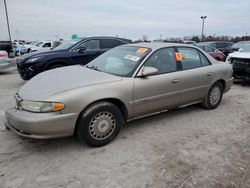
40, 125
6, 65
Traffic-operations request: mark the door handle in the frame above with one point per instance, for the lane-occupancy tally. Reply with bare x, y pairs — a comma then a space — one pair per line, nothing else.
175, 81
209, 74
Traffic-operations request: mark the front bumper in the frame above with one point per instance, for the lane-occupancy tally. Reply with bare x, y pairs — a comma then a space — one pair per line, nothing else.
40, 125
25, 72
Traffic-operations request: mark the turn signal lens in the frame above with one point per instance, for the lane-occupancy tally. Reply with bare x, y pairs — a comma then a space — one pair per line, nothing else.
57, 106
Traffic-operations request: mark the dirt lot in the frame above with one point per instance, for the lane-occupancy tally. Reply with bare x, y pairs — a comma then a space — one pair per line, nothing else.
188, 147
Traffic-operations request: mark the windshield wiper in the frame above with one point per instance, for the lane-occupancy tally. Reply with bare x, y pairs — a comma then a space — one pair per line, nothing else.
93, 67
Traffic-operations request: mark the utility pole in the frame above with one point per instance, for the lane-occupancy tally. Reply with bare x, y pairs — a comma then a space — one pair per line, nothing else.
202, 31
7, 18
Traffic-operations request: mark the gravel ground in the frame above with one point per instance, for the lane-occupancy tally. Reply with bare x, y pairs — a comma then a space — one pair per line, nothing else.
188, 147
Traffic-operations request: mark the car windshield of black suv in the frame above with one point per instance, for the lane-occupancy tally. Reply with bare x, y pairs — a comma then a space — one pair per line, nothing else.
67, 44
120, 61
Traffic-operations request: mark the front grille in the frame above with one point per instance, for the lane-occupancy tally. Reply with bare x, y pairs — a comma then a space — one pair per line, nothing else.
241, 62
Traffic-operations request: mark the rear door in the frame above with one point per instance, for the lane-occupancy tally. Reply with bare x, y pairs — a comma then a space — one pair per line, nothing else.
197, 75
159, 91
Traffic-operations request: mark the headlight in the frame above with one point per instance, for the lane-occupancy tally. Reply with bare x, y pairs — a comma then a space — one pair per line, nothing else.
33, 59
228, 60
34, 106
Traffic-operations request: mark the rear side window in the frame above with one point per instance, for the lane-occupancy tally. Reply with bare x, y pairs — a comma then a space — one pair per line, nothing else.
204, 60
164, 60
190, 58
221, 45
110, 43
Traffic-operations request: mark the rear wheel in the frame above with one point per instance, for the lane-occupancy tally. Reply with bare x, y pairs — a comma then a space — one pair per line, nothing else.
214, 96
99, 124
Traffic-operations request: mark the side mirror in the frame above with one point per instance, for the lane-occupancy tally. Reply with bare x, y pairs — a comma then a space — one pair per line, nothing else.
147, 71
240, 50
81, 49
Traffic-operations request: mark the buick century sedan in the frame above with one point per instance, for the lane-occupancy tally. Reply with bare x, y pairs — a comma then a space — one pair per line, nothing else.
125, 83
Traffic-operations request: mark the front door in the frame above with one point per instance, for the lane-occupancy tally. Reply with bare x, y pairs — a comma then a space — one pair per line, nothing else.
159, 91
92, 50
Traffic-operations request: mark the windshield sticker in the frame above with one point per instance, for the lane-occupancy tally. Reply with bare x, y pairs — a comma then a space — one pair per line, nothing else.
132, 57
178, 56
141, 50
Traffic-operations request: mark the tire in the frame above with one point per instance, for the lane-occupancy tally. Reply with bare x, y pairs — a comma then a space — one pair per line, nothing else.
99, 124
214, 96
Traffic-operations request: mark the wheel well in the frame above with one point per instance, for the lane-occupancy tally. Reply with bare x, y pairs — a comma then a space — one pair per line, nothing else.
223, 83
122, 107
55, 63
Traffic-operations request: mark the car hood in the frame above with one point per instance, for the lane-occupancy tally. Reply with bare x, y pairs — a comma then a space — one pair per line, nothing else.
45, 52
63, 79
245, 55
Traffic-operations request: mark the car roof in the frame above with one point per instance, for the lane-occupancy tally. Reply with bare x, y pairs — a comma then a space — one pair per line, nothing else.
106, 37
158, 45
210, 42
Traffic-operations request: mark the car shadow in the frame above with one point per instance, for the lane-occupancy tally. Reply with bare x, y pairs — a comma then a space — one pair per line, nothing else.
69, 143
242, 83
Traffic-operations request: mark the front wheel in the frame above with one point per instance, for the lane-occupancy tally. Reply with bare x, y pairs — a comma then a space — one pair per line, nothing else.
99, 124
214, 96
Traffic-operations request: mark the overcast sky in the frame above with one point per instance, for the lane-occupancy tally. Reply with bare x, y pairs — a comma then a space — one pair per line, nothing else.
43, 19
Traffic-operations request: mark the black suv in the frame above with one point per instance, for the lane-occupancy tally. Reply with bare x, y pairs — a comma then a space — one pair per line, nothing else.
78, 51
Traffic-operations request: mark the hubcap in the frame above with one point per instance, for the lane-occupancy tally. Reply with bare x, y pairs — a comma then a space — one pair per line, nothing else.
102, 125
215, 95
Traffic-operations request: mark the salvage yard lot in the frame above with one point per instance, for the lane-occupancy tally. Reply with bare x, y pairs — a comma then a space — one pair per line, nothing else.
187, 147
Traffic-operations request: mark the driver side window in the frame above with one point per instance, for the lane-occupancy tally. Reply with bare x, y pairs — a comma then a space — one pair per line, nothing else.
164, 60
90, 45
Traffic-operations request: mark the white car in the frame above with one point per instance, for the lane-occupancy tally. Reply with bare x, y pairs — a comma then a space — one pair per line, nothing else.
241, 63
4, 60
44, 45
30, 45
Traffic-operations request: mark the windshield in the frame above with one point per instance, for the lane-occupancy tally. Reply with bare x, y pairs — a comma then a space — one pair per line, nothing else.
120, 61
241, 44
67, 44
246, 48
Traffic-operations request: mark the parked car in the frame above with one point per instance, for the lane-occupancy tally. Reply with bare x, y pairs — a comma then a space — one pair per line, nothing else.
79, 51
241, 63
17, 49
239, 45
44, 45
125, 83
4, 60
6, 46
215, 53
223, 46
28, 45
190, 42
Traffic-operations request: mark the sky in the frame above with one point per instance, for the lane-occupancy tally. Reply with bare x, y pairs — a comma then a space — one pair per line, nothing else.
47, 19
